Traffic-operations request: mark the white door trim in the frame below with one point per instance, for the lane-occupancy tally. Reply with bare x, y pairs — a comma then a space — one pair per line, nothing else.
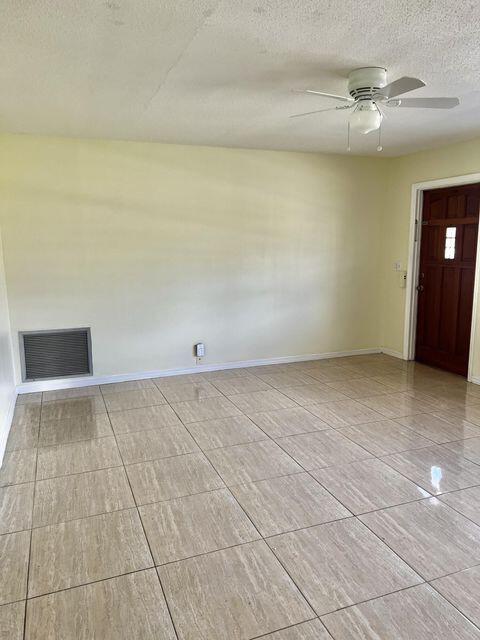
416, 203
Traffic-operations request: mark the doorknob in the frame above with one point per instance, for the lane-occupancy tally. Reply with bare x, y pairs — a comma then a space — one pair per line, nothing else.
420, 287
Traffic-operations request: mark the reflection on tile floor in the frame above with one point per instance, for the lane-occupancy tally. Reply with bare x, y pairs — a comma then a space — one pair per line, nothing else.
320, 500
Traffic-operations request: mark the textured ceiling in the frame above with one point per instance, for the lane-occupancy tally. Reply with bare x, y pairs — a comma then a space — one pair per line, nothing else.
220, 72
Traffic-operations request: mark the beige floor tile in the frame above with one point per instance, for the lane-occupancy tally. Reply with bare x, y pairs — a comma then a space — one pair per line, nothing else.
16, 503
368, 485
130, 607
77, 457
322, 449
400, 381
463, 591
436, 469
144, 418
384, 437
77, 392
154, 444
206, 409
249, 462
465, 501
172, 478
124, 400
23, 435
238, 593
332, 373
313, 630
11, 621
397, 405
18, 466
371, 370
245, 384
26, 415
14, 552
130, 385
284, 504
360, 387
450, 398
307, 394
81, 495
80, 551
193, 525
344, 413
223, 374
25, 426
190, 391
341, 563
431, 537
288, 379
264, 369
413, 614
72, 408
75, 429
262, 401
469, 449
288, 422
29, 398
440, 428
170, 381
225, 432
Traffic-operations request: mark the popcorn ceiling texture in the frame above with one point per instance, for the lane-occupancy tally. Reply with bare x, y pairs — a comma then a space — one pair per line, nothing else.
220, 72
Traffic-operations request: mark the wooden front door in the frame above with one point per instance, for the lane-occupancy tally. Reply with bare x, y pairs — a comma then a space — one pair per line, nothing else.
448, 250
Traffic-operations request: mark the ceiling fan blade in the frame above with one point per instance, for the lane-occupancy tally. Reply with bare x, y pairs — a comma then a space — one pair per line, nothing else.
424, 103
325, 95
309, 113
402, 85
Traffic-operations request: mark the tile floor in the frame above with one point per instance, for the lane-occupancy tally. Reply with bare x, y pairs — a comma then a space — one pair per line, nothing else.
320, 500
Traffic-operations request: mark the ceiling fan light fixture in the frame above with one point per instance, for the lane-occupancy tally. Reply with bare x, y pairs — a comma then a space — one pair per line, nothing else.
366, 117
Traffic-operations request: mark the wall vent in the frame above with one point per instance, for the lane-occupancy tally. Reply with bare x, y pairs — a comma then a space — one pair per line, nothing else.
55, 354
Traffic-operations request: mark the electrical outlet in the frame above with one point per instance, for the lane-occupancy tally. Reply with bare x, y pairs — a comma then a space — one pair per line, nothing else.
199, 350
397, 266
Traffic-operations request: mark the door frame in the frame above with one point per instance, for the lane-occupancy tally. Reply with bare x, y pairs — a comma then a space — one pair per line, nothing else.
416, 207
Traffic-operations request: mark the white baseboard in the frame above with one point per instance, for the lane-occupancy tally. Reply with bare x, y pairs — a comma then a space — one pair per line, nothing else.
475, 380
68, 383
394, 354
5, 427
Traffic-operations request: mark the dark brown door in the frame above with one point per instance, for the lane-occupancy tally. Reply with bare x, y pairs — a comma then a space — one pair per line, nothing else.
446, 277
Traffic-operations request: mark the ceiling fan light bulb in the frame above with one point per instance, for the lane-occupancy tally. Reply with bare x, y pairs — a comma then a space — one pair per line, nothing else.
366, 118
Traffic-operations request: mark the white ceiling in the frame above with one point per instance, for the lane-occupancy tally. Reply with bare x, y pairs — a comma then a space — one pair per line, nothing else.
220, 72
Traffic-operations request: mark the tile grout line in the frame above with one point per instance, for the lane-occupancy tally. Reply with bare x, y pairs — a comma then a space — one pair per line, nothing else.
442, 595
31, 523
143, 529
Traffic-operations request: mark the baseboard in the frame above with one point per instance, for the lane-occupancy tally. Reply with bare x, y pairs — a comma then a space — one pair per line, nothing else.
5, 427
394, 354
68, 383
475, 380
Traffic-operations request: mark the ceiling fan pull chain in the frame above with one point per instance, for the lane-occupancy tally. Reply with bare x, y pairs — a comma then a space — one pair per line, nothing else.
379, 147
348, 135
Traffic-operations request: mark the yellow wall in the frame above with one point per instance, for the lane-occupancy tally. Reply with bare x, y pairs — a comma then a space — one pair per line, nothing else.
259, 254
7, 385
453, 160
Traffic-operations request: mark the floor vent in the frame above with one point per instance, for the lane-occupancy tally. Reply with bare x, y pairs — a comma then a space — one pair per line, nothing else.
55, 354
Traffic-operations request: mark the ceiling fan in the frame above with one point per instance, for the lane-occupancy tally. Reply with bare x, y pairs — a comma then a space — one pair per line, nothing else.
369, 93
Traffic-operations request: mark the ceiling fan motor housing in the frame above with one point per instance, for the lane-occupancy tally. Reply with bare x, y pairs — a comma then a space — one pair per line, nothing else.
365, 82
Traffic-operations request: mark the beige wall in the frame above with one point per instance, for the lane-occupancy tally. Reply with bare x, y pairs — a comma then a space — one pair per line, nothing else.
259, 254
7, 385
454, 160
